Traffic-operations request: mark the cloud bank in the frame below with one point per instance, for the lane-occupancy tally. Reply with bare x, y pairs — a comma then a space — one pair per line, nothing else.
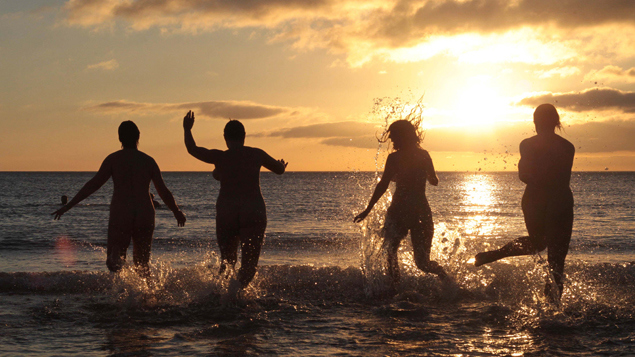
587, 100
589, 137
347, 134
211, 109
362, 30
612, 74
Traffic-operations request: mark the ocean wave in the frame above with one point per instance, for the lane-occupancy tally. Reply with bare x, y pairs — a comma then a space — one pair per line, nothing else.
498, 281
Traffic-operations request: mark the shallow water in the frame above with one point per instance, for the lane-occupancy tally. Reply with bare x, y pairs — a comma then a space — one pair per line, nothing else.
318, 290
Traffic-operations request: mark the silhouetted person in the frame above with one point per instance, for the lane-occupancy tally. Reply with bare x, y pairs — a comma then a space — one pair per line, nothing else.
155, 203
410, 167
131, 209
64, 200
545, 166
241, 216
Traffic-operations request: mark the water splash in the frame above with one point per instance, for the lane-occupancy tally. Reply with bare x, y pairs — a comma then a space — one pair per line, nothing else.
373, 257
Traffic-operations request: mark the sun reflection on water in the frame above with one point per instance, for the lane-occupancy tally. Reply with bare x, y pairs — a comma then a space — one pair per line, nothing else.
478, 201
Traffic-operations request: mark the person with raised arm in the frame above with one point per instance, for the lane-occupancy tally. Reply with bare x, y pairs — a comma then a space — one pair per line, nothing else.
131, 208
546, 160
409, 166
241, 216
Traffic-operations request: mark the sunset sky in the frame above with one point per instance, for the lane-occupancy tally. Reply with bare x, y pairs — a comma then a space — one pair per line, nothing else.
312, 80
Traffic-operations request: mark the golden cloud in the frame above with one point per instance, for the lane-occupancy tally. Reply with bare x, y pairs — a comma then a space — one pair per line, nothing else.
538, 31
588, 100
210, 109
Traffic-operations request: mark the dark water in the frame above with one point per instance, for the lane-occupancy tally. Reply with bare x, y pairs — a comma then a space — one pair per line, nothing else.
318, 290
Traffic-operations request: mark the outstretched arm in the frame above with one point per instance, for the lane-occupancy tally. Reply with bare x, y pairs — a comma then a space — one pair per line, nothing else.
166, 195
89, 188
273, 165
200, 153
380, 189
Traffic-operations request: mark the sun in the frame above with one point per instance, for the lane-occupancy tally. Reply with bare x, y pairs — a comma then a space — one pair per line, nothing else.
478, 104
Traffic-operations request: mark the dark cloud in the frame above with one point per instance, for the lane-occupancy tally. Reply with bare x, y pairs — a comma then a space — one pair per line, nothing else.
235, 110
211, 109
501, 139
588, 100
143, 14
348, 129
355, 25
347, 134
496, 15
397, 17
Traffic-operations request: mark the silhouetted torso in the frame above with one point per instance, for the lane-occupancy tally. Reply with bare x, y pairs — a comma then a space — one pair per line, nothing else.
238, 170
411, 167
132, 172
546, 162
545, 166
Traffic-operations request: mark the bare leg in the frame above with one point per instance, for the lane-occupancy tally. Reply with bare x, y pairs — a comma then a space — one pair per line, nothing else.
118, 242
392, 239
421, 245
520, 246
141, 245
559, 229
228, 245
251, 244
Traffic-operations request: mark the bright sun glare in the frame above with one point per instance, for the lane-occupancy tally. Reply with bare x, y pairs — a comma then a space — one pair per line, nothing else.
478, 104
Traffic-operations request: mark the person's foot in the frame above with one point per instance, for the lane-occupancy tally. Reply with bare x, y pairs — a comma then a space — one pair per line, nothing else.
485, 258
233, 290
552, 293
115, 262
434, 268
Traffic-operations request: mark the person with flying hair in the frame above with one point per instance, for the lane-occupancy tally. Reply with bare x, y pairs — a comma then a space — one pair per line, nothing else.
410, 167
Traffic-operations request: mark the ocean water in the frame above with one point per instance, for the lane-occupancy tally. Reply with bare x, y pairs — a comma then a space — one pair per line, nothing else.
318, 290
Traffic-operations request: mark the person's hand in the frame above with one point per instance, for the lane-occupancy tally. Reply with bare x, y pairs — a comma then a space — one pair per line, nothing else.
58, 214
283, 163
188, 120
360, 217
180, 218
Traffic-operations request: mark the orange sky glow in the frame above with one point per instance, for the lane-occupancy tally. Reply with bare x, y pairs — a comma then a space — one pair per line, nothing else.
313, 82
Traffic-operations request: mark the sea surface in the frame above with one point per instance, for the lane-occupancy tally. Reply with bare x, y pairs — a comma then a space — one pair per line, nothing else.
320, 287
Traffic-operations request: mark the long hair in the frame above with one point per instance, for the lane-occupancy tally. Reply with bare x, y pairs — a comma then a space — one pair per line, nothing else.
402, 133
405, 131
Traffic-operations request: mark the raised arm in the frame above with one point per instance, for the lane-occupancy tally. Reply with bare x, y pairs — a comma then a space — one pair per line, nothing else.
203, 154
273, 165
104, 173
380, 189
166, 195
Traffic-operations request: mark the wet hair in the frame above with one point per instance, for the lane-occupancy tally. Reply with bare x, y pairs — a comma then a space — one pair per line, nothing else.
546, 117
129, 135
402, 133
234, 130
